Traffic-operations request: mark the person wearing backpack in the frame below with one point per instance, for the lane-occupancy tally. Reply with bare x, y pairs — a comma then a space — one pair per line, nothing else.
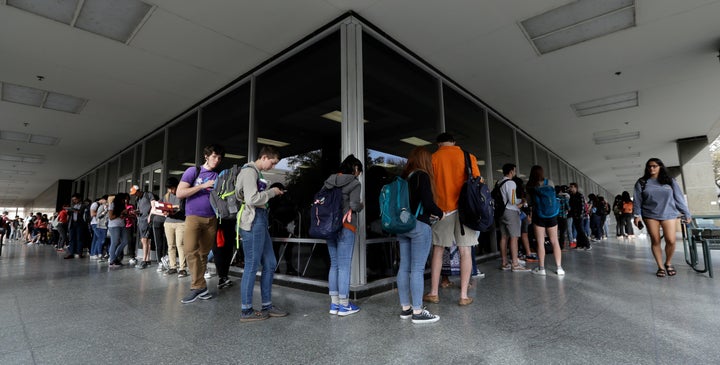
195, 187
340, 246
617, 212
254, 191
577, 211
450, 175
626, 216
415, 244
545, 209
510, 221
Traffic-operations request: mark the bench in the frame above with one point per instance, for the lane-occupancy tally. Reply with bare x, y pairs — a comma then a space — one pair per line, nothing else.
701, 231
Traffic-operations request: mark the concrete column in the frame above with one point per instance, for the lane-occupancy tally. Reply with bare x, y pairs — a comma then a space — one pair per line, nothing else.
698, 178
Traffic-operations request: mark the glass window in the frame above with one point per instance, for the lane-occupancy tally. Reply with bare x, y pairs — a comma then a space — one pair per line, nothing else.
225, 122
181, 146
112, 176
563, 173
501, 145
554, 173
401, 108
542, 158
297, 109
100, 182
126, 161
526, 155
91, 192
154, 148
465, 120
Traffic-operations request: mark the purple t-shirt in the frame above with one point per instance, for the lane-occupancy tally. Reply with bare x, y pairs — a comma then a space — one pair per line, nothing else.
199, 203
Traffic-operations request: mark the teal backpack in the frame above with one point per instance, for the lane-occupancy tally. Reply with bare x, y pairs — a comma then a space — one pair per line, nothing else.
395, 214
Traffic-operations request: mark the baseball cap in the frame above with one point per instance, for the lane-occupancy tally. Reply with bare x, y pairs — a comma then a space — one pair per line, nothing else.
134, 189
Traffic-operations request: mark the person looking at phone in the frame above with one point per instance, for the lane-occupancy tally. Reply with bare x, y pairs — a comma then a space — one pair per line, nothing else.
658, 202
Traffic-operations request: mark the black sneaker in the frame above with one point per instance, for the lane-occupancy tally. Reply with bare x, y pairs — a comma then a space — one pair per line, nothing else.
142, 265
224, 283
182, 274
251, 315
195, 294
406, 314
425, 317
170, 272
273, 311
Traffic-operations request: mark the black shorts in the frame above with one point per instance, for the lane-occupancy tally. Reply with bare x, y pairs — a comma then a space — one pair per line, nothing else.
545, 222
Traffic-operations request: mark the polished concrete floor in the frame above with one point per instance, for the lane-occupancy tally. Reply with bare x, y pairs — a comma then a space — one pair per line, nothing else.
609, 309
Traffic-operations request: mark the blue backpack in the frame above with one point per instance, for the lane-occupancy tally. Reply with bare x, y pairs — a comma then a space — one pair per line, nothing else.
326, 213
476, 207
395, 214
546, 202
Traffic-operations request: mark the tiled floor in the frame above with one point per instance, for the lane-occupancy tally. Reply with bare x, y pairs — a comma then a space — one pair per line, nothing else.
609, 309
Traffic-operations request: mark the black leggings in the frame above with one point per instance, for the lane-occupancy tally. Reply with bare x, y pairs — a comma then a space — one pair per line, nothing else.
223, 255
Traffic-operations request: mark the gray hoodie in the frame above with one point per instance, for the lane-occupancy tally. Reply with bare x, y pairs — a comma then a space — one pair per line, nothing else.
351, 193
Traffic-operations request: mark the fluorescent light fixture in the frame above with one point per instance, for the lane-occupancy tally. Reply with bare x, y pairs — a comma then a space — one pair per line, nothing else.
336, 115
117, 20
234, 156
64, 103
22, 158
626, 167
22, 94
111, 18
603, 138
620, 156
272, 142
28, 138
189, 164
42, 98
481, 162
385, 164
415, 141
606, 104
17, 172
176, 172
61, 11
577, 22
628, 174
44, 140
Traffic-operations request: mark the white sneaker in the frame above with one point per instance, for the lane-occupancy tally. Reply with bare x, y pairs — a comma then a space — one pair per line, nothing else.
539, 271
560, 271
160, 268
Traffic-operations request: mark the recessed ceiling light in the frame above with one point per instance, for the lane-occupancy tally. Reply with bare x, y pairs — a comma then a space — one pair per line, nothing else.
188, 164
61, 11
602, 138
606, 104
17, 172
64, 103
22, 158
336, 116
22, 94
113, 19
625, 167
622, 155
577, 22
28, 138
233, 156
272, 142
415, 141
44, 140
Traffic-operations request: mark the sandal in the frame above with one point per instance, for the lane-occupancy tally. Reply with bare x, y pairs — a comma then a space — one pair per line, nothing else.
660, 273
670, 270
446, 284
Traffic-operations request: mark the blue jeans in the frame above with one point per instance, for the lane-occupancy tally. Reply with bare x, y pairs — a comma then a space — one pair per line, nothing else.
99, 235
258, 249
341, 251
119, 238
414, 251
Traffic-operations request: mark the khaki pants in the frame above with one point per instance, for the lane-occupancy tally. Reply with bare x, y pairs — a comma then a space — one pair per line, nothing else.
198, 240
174, 233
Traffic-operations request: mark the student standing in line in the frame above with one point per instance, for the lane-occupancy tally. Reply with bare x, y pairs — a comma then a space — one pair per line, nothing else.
543, 226
341, 247
254, 191
415, 245
175, 230
659, 202
200, 220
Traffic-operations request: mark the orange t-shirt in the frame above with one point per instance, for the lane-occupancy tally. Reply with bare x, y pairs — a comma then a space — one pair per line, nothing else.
449, 170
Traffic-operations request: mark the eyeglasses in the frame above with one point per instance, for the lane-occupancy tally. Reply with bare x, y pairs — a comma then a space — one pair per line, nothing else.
653, 166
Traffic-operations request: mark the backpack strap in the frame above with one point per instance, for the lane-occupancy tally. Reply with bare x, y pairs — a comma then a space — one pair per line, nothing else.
468, 168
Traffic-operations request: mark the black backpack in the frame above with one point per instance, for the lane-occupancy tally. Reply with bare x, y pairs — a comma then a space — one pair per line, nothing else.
500, 204
475, 206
